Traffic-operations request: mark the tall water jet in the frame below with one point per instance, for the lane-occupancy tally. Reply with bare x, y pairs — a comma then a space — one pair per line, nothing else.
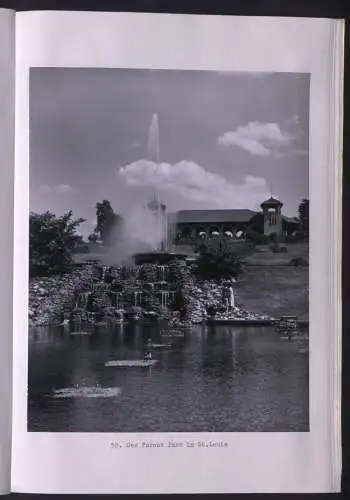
153, 149
152, 222
157, 208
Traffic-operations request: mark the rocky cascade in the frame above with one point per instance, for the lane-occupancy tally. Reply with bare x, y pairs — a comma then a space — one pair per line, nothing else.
51, 298
97, 294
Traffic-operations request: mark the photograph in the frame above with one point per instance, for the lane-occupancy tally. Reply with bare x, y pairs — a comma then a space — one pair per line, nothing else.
168, 251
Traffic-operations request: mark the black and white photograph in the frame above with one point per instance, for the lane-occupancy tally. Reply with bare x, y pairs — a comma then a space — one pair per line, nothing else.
168, 251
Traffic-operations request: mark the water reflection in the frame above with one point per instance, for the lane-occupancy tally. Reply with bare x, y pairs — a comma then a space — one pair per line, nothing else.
222, 379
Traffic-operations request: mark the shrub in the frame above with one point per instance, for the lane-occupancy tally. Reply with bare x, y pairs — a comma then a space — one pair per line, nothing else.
52, 241
217, 264
83, 248
257, 238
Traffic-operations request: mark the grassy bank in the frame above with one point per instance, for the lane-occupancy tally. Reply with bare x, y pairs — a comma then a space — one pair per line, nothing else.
275, 290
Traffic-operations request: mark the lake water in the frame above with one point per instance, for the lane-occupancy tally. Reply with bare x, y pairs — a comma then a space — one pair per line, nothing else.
212, 379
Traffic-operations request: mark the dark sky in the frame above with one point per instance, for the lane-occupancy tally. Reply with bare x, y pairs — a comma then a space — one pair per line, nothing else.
225, 139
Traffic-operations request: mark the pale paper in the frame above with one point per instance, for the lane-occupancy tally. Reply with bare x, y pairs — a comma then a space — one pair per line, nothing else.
253, 462
7, 136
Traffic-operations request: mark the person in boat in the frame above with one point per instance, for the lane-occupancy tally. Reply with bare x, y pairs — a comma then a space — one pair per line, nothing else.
148, 356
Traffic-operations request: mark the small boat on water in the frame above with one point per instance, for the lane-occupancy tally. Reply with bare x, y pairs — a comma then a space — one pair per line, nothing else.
159, 346
132, 363
80, 332
172, 333
287, 325
86, 392
100, 323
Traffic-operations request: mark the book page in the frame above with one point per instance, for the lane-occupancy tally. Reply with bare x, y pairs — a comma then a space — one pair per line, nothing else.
7, 133
177, 200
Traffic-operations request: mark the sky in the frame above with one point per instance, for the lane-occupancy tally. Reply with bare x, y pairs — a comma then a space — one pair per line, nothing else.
201, 139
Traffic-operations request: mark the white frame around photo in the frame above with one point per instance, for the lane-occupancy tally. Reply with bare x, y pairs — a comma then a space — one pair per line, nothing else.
7, 147
251, 462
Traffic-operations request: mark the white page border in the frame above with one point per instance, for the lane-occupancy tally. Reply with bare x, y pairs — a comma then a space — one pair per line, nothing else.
253, 462
7, 149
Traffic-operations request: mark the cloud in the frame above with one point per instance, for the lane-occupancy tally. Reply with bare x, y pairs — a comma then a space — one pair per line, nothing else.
267, 139
190, 181
63, 189
257, 138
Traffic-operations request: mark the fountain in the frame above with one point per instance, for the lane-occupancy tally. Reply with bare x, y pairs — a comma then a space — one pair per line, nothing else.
160, 254
153, 144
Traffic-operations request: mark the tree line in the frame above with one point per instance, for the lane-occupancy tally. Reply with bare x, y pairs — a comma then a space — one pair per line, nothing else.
53, 239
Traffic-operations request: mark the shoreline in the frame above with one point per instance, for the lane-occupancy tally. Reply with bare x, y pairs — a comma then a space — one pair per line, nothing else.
210, 322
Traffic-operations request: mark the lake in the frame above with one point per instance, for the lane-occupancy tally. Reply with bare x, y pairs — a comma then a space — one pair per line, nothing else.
212, 379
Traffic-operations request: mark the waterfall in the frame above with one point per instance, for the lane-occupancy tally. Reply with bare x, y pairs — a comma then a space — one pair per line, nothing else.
103, 273
82, 299
162, 274
117, 296
232, 298
165, 299
137, 298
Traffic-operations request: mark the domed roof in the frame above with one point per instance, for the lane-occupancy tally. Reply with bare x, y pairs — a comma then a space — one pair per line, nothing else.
271, 202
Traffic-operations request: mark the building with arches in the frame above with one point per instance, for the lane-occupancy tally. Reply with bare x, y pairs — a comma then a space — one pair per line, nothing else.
187, 227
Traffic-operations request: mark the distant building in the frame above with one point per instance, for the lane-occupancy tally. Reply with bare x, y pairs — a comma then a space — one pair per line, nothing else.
187, 226
272, 212
191, 226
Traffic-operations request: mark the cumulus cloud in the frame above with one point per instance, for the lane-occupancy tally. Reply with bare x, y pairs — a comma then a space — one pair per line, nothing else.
257, 138
265, 139
190, 181
63, 189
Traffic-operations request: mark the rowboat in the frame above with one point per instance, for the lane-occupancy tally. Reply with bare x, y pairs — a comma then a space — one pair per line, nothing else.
86, 392
287, 325
132, 363
80, 333
159, 346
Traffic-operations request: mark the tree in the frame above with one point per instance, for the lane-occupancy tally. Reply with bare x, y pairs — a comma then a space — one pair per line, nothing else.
257, 223
108, 222
52, 240
93, 237
217, 263
304, 216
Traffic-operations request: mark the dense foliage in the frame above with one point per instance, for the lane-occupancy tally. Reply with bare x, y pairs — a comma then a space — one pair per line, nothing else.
217, 263
108, 224
52, 241
257, 223
304, 217
256, 238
